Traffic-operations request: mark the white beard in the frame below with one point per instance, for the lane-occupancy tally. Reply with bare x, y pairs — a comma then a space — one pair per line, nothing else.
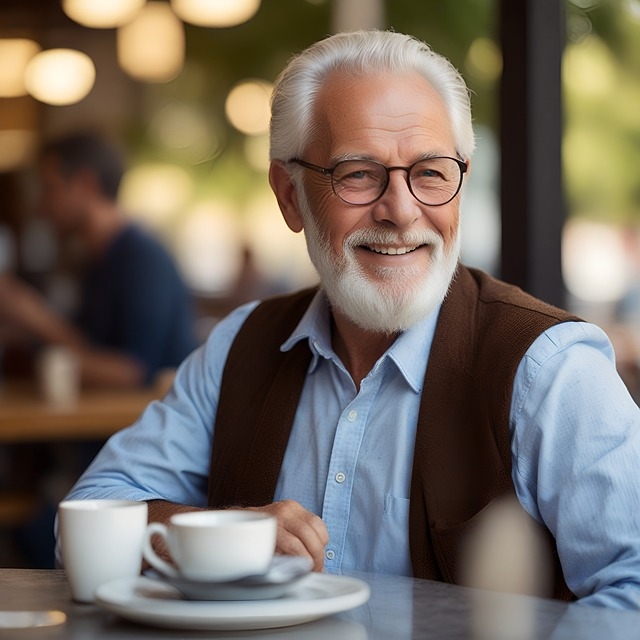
402, 297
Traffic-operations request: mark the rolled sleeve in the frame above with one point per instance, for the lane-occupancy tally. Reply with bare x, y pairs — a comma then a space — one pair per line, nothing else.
166, 453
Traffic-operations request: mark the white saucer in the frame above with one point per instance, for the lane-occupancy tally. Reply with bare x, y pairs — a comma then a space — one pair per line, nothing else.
158, 604
283, 574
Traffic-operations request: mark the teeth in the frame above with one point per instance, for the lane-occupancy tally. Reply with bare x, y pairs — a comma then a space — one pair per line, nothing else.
393, 251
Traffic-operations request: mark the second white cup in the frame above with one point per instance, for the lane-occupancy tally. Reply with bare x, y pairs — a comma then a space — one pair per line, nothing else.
101, 540
214, 545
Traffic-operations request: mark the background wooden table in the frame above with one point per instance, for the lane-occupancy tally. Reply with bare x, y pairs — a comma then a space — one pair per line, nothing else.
25, 416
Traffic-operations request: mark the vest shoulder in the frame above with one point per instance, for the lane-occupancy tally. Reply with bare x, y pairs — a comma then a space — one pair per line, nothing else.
508, 298
486, 324
273, 320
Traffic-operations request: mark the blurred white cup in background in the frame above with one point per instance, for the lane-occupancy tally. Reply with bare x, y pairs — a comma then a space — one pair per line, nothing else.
58, 374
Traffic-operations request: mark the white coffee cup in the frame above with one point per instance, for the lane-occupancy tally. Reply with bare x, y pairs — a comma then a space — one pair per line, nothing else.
100, 540
214, 545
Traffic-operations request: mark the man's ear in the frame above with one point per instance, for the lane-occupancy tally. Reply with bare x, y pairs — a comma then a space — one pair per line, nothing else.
468, 172
286, 195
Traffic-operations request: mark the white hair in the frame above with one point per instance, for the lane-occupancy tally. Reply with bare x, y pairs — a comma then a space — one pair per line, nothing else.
361, 53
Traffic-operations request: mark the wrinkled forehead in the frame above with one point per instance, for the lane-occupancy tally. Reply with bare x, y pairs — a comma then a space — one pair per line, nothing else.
379, 109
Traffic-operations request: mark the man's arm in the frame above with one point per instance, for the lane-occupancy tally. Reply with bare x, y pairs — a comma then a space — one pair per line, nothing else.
576, 455
28, 312
164, 459
25, 309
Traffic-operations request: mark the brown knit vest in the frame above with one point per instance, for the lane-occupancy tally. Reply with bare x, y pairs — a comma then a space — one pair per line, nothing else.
462, 458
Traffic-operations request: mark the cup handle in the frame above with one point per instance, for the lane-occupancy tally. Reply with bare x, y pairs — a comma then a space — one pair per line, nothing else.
157, 528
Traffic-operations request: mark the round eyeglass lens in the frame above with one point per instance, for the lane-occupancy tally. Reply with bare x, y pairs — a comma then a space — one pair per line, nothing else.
436, 180
359, 181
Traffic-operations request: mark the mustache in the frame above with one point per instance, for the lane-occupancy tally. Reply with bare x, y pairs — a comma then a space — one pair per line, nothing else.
390, 237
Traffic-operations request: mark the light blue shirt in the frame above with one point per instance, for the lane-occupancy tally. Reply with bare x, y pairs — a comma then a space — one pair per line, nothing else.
575, 443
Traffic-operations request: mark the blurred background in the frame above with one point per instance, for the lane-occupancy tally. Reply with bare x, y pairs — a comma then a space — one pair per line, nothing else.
185, 94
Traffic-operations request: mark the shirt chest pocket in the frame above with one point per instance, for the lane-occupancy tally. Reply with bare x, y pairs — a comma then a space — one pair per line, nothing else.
396, 508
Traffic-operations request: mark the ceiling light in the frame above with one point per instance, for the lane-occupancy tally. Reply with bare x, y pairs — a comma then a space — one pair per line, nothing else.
60, 76
215, 13
151, 46
247, 106
102, 14
15, 54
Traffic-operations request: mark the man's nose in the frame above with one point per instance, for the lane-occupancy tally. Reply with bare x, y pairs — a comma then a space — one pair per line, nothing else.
397, 206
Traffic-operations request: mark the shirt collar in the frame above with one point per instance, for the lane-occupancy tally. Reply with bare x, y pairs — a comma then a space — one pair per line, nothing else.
314, 326
409, 352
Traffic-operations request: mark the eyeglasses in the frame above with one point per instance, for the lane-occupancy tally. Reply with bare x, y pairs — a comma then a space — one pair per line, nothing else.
432, 181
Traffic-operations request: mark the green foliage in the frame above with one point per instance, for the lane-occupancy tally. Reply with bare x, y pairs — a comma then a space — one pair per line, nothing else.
602, 105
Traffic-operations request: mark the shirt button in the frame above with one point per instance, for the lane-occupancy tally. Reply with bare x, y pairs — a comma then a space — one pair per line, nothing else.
340, 477
330, 554
352, 415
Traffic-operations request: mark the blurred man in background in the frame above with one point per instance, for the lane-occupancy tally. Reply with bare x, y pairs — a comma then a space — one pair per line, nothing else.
135, 315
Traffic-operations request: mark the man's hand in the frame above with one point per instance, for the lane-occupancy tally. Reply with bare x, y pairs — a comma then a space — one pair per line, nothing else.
300, 532
161, 511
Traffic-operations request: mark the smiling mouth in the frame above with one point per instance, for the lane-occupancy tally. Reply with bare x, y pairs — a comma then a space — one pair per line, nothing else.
391, 251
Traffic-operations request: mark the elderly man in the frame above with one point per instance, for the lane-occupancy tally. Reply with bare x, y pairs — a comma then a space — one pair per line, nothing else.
379, 415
